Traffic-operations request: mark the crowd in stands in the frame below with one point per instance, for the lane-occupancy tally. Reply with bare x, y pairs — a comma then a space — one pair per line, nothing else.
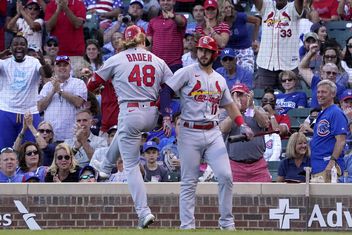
57, 124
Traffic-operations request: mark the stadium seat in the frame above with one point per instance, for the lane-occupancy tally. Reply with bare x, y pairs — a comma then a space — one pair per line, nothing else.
340, 30
297, 117
273, 167
283, 148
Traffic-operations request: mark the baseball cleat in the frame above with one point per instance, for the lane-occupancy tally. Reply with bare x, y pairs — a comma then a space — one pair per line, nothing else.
146, 221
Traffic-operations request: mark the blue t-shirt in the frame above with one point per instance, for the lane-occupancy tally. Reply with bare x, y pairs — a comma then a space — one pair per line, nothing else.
330, 123
15, 178
285, 102
242, 75
239, 36
290, 171
40, 172
314, 87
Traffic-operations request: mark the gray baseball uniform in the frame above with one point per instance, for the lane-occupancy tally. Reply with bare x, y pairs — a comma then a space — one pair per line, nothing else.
201, 94
136, 76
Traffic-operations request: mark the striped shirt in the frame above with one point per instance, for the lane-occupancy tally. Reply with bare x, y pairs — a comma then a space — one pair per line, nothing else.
219, 29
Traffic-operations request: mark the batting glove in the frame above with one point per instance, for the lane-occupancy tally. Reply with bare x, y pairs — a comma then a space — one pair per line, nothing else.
247, 131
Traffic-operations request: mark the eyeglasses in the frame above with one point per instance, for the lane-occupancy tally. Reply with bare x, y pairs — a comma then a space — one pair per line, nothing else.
228, 59
331, 73
287, 80
52, 44
7, 150
330, 56
48, 131
349, 46
30, 153
85, 177
60, 157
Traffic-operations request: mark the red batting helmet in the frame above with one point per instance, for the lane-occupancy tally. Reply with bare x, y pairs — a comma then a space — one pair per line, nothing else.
208, 43
133, 32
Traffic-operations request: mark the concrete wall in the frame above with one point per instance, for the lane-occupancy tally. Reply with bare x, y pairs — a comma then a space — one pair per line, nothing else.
270, 206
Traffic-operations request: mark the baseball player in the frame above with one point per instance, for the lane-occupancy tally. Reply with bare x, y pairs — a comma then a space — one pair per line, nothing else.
202, 92
136, 76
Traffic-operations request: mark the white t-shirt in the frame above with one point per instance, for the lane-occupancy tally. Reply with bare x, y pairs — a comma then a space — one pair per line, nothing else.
19, 83
34, 38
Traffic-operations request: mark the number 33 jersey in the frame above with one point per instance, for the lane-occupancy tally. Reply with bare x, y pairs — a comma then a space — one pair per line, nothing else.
279, 44
136, 74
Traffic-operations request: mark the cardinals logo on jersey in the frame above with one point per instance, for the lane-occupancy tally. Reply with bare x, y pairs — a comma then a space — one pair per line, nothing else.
271, 20
201, 95
323, 128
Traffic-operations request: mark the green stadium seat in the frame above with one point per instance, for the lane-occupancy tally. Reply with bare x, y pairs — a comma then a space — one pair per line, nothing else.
340, 30
273, 167
297, 117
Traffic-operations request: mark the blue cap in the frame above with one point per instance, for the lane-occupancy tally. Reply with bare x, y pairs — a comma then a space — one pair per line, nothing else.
150, 144
228, 52
347, 94
30, 176
88, 168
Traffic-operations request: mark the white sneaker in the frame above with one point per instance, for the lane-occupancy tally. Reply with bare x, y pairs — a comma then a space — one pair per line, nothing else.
146, 221
230, 228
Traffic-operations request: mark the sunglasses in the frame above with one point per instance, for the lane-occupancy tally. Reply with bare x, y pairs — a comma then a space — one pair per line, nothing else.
63, 57
52, 44
228, 59
48, 131
330, 73
60, 157
85, 177
349, 46
7, 150
330, 56
30, 153
287, 80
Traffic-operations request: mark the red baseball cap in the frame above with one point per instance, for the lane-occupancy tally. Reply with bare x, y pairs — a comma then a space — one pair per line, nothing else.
240, 87
31, 2
132, 32
210, 3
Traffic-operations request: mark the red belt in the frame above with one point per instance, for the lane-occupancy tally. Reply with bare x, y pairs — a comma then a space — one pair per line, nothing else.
204, 126
136, 104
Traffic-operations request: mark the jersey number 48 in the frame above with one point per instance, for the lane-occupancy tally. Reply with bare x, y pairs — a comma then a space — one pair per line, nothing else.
146, 75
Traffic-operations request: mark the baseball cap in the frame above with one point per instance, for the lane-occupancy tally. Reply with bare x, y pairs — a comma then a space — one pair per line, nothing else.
228, 52
140, 2
347, 94
150, 144
52, 38
63, 58
31, 2
240, 87
210, 3
33, 47
88, 168
111, 129
310, 35
132, 32
30, 177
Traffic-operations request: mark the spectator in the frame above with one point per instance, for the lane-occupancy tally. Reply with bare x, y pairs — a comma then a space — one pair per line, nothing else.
240, 39
213, 26
151, 9
328, 71
64, 19
291, 99
30, 160
84, 142
344, 10
320, 29
279, 28
309, 39
166, 33
153, 171
277, 121
88, 174
105, 10
44, 138
64, 167
190, 57
329, 136
120, 175
326, 9
19, 88
232, 72
198, 16
346, 106
307, 126
51, 48
93, 54
30, 177
61, 98
297, 158
246, 158
346, 63
114, 46
28, 22
9, 162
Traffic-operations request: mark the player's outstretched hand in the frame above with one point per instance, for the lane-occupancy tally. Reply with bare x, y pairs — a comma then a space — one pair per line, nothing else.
247, 131
167, 127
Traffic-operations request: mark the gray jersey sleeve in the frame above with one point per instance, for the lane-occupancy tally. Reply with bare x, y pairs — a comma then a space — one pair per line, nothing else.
106, 72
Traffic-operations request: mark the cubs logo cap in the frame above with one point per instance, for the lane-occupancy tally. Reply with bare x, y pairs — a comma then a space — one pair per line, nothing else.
347, 94
150, 144
240, 87
210, 3
228, 52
